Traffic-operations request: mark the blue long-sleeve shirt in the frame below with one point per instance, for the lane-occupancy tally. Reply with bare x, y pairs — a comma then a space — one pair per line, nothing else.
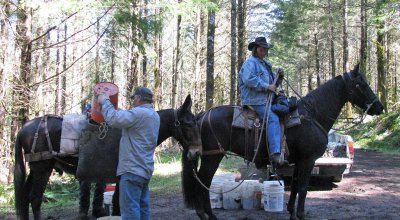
254, 78
140, 126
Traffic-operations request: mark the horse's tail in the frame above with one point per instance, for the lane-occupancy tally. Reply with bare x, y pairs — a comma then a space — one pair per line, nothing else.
21, 204
189, 182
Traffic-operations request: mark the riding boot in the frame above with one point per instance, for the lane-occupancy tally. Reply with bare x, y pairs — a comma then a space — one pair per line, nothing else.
276, 159
84, 199
98, 197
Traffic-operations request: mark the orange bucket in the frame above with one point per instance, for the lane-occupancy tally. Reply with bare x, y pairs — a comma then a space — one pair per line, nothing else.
103, 88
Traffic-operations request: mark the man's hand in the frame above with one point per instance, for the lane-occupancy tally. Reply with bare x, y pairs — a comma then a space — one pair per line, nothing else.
101, 98
271, 88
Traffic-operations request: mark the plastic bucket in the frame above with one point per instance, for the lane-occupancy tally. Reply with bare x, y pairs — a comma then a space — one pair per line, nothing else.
231, 199
107, 201
273, 196
103, 88
216, 195
251, 193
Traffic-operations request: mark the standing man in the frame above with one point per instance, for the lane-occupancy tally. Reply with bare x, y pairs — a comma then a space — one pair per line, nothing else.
140, 127
256, 83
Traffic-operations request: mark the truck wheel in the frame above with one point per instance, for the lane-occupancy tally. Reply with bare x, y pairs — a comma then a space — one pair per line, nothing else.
337, 179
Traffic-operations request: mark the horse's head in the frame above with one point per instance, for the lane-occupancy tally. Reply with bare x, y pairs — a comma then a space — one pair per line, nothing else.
361, 94
188, 132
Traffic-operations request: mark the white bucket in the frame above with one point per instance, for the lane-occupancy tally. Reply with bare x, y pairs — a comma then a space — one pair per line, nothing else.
273, 196
251, 194
216, 195
231, 199
107, 201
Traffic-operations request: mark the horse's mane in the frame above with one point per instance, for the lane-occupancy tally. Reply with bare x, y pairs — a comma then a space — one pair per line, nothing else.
322, 95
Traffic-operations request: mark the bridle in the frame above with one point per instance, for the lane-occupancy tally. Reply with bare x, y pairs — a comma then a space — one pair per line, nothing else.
353, 94
178, 129
351, 90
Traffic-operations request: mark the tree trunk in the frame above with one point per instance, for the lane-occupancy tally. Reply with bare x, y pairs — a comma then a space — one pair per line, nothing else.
364, 39
380, 54
345, 36
97, 58
210, 60
132, 73
176, 61
380, 65
316, 54
113, 48
63, 76
241, 38
332, 41
144, 55
20, 93
158, 65
233, 53
200, 61
57, 81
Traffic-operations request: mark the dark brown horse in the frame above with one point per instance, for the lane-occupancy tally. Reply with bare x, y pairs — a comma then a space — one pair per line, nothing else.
306, 142
180, 124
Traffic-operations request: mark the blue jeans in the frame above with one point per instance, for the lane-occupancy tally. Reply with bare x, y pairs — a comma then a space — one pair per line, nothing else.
134, 197
274, 130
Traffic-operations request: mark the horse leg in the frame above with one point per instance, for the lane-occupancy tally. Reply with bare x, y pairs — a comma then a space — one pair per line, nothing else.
38, 179
115, 201
304, 174
25, 200
293, 195
208, 167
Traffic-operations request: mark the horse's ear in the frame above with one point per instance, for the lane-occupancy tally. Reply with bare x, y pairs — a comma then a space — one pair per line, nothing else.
356, 69
188, 103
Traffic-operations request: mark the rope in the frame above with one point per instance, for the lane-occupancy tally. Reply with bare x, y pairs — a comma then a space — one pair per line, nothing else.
103, 129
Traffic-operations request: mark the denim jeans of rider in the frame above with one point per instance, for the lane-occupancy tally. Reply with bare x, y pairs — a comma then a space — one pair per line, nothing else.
274, 131
134, 197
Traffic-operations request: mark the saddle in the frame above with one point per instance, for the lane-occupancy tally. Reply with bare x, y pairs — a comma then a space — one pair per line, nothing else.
246, 118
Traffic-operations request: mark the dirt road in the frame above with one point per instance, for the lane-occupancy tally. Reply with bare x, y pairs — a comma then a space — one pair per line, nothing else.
370, 191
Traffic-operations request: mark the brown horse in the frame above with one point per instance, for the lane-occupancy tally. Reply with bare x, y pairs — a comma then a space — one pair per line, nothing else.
306, 142
178, 123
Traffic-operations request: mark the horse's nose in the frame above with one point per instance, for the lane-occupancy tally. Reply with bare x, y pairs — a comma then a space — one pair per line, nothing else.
194, 153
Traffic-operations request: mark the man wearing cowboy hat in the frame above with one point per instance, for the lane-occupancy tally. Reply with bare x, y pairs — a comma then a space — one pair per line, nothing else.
256, 82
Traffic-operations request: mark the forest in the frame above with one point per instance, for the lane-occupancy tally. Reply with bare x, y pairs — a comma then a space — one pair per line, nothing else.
53, 52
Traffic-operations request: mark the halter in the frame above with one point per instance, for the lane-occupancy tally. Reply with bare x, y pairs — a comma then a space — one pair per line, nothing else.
178, 127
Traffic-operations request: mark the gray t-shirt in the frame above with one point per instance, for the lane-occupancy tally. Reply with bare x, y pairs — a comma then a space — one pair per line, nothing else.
140, 127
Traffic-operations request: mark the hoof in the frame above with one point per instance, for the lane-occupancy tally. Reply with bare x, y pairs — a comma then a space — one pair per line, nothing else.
99, 212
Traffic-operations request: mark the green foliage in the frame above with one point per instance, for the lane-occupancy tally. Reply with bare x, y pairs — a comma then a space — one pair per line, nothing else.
381, 134
6, 195
165, 183
61, 190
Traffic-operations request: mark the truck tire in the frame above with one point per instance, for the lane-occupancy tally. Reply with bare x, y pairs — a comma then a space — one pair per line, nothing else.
337, 179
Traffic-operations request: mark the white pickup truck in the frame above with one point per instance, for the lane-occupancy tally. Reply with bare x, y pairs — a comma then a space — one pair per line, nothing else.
336, 161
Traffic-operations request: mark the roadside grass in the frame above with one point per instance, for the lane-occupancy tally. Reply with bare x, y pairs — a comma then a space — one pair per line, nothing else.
381, 134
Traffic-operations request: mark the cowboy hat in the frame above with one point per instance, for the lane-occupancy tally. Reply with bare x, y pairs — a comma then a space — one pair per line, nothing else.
259, 41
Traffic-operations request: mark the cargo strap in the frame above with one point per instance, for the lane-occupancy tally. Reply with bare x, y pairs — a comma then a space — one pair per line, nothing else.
44, 155
220, 149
